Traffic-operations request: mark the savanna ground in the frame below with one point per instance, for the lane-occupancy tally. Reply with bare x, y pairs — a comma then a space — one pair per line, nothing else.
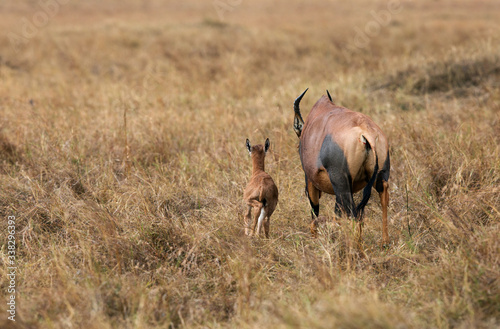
123, 160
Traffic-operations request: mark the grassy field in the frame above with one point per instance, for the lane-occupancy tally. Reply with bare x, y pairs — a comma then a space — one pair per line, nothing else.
123, 160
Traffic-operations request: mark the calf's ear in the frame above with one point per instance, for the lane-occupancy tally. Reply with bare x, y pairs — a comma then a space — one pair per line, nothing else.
266, 147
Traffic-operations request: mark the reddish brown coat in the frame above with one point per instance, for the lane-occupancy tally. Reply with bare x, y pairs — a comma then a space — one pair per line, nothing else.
346, 128
339, 149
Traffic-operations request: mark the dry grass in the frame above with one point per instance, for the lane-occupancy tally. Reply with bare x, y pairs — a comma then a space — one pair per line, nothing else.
140, 225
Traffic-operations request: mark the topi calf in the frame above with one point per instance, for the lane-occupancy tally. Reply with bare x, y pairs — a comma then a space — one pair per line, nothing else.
261, 193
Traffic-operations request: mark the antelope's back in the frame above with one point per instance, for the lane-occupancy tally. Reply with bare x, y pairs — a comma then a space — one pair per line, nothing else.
344, 128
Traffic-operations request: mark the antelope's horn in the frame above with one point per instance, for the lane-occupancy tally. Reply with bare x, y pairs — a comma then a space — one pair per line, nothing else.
330, 97
296, 106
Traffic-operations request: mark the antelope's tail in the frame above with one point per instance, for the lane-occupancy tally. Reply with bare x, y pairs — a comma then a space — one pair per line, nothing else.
263, 210
367, 191
261, 218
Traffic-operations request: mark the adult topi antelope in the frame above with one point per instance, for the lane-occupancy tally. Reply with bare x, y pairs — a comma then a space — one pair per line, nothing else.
342, 152
261, 193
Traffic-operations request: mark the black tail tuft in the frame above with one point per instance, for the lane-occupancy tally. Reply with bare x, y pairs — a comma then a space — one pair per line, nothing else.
367, 191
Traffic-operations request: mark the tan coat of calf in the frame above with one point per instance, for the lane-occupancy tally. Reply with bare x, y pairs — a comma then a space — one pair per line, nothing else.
261, 193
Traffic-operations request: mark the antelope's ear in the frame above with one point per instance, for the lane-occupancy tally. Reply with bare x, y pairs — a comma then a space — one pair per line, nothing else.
249, 147
298, 123
266, 146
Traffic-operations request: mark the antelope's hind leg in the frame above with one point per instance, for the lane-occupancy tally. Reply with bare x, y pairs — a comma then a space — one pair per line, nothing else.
382, 187
384, 201
255, 226
313, 194
248, 218
267, 220
266, 226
